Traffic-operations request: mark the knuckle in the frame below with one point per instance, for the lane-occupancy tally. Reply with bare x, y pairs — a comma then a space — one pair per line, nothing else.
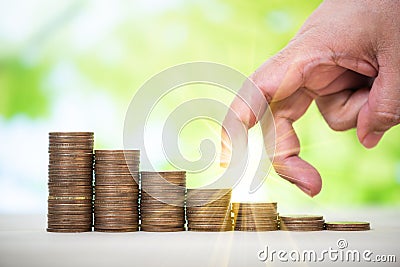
339, 119
387, 117
338, 124
262, 84
386, 111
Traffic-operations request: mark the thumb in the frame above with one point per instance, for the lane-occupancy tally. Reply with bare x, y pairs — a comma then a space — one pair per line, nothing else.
382, 110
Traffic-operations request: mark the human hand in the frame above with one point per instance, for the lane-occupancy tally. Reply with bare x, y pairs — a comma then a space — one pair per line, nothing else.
346, 57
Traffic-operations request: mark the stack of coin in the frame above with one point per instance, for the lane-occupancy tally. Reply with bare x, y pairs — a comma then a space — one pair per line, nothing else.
162, 201
116, 190
209, 210
347, 226
70, 182
255, 216
302, 222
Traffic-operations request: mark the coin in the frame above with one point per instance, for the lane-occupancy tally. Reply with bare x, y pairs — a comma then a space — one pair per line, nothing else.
124, 199
211, 228
209, 198
70, 178
256, 206
256, 229
166, 179
153, 228
257, 216
347, 226
131, 229
209, 209
302, 222
162, 201
67, 230
208, 215
116, 190
300, 218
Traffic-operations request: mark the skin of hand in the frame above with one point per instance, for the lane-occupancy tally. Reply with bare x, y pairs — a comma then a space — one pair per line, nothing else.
346, 57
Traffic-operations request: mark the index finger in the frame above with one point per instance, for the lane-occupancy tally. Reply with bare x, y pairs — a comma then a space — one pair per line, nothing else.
273, 81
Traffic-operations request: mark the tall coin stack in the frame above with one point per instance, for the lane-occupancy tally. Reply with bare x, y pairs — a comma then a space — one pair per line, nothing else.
302, 222
162, 201
255, 216
209, 210
70, 182
116, 191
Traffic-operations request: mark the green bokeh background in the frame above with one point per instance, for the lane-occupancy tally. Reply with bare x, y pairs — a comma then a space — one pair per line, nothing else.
115, 46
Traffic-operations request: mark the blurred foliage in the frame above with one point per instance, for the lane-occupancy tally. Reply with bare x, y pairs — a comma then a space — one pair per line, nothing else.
351, 174
21, 89
116, 46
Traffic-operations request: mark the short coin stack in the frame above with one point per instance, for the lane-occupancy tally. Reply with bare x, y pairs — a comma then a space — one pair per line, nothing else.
347, 226
209, 210
162, 201
70, 182
116, 190
302, 222
255, 216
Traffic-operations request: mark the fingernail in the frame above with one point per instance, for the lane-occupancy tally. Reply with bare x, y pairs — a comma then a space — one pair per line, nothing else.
224, 160
223, 164
372, 139
305, 190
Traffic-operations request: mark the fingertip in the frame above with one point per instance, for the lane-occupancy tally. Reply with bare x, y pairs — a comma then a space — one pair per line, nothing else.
372, 139
226, 148
311, 188
311, 192
366, 135
316, 182
305, 189
315, 188
225, 156
302, 174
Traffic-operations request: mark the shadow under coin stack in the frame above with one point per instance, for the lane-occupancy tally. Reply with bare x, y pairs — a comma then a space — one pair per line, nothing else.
70, 179
302, 222
255, 217
209, 210
116, 190
162, 201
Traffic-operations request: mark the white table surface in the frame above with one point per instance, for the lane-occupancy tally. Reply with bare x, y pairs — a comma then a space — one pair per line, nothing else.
25, 242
